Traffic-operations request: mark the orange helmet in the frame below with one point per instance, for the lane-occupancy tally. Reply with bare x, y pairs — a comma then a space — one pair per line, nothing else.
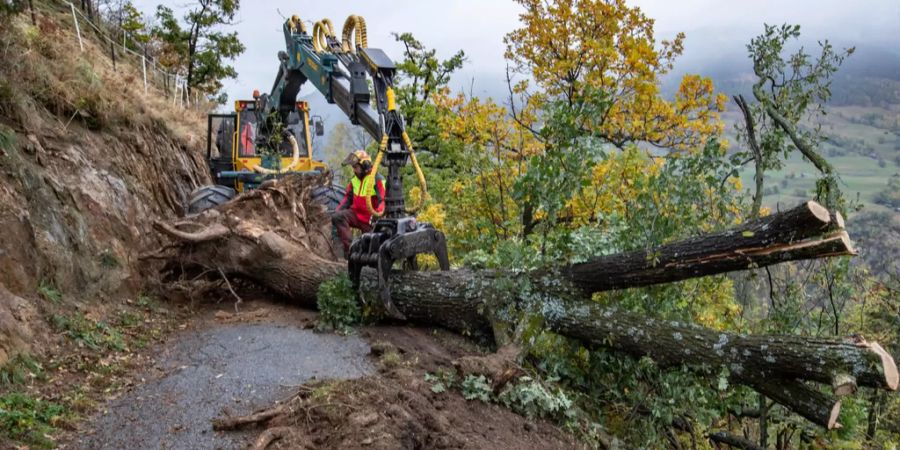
357, 157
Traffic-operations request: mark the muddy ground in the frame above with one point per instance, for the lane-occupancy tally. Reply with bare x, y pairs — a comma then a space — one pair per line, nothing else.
224, 364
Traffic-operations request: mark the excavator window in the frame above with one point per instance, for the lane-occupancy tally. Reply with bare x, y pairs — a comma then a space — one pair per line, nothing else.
296, 126
219, 136
247, 134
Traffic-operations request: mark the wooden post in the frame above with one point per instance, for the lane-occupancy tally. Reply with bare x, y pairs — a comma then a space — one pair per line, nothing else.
77, 28
112, 50
31, 7
144, 65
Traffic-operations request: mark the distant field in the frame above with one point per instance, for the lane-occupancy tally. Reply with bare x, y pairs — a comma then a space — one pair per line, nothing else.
862, 140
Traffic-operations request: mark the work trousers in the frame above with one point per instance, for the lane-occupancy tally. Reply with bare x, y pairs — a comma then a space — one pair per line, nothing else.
343, 220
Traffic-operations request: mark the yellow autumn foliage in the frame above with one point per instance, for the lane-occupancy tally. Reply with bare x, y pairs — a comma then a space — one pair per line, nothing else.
569, 46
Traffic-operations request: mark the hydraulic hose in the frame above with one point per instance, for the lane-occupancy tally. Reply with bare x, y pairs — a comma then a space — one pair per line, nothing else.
354, 25
290, 167
423, 186
296, 24
370, 179
322, 30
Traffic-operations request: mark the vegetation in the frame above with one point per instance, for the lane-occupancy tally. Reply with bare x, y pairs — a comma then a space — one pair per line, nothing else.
575, 167
788, 91
97, 336
28, 419
338, 309
198, 46
48, 292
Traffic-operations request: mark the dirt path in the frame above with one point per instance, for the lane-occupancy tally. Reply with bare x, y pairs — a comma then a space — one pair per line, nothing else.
223, 365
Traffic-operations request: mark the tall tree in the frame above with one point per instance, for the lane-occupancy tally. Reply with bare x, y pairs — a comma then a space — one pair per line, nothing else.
570, 46
199, 47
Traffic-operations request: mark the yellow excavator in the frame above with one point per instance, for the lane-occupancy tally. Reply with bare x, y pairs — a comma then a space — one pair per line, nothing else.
241, 154
360, 80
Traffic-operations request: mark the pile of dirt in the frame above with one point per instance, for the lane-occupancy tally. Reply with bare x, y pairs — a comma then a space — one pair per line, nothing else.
397, 408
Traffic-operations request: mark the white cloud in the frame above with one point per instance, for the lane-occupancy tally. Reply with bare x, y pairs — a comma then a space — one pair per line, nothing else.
478, 27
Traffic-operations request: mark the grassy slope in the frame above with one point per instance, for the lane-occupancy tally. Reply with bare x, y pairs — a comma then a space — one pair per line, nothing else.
855, 153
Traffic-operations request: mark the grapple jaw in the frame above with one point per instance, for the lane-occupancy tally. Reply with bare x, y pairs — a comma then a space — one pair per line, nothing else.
392, 240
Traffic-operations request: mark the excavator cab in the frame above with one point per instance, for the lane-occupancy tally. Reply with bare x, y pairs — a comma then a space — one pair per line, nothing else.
236, 157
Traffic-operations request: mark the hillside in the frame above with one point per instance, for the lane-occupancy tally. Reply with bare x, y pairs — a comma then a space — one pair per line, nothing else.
89, 161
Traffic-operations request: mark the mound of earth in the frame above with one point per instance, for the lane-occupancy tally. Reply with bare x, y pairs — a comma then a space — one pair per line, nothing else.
397, 408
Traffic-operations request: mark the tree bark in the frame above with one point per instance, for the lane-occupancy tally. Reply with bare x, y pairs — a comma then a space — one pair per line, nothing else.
766, 356
733, 441
750, 126
273, 236
809, 403
773, 239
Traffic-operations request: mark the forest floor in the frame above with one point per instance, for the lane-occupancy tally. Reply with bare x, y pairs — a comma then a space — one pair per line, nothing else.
365, 390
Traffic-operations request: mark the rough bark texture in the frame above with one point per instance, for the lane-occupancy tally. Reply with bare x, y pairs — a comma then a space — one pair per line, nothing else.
768, 240
289, 252
809, 403
672, 343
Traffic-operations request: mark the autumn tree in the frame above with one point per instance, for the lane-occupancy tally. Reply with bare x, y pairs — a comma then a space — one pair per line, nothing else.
198, 46
570, 46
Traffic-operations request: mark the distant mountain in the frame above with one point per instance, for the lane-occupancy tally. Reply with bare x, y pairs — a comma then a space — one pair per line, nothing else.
869, 77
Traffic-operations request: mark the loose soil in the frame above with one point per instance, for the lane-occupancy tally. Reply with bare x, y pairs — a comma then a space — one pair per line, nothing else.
396, 408
366, 390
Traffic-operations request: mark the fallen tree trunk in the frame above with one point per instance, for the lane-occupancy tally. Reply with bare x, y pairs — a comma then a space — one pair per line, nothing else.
673, 343
809, 403
275, 238
787, 236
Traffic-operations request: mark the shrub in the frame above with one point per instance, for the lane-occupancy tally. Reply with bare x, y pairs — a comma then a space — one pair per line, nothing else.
338, 308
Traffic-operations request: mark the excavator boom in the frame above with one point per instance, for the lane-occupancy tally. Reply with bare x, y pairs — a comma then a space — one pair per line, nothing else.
341, 70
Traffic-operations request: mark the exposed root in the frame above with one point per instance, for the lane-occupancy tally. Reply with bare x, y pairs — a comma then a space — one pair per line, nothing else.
269, 436
234, 423
211, 233
238, 299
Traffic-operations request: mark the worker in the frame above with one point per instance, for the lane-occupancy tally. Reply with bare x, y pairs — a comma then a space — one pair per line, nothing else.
352, 211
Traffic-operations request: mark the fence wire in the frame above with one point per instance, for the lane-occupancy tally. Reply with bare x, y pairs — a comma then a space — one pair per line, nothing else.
154, 75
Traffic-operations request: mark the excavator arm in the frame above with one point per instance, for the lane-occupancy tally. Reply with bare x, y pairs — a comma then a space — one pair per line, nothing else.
341, 70
337, 71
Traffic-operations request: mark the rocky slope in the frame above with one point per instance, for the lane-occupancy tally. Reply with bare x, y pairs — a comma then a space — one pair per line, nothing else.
88, 160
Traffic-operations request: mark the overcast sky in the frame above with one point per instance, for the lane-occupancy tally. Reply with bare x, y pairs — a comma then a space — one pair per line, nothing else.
478, 26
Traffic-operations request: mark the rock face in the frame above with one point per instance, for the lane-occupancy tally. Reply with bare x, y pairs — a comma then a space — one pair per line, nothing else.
77, 206
87, 162
16, 318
